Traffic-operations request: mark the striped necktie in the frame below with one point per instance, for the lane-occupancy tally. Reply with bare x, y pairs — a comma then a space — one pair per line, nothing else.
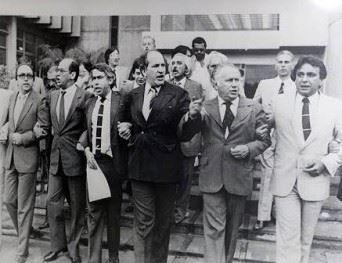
306, 118
99, 125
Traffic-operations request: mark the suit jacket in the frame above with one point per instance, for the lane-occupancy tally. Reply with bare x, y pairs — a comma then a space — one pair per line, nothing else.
63, 148
4, 105
218, 168
154, 152
192, 147
118, 145
292, 150
25, 156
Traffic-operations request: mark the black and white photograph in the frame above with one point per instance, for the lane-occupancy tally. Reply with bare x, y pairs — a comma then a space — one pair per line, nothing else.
180, 131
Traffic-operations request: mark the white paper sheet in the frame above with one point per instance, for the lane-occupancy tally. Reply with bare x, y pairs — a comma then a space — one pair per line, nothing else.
97, 184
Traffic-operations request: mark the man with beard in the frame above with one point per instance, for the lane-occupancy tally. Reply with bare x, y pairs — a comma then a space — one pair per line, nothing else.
67, 165
180, 69
154, 111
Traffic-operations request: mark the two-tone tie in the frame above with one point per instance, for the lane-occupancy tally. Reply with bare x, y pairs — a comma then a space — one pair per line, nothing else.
99, 125
306, 118
281, 89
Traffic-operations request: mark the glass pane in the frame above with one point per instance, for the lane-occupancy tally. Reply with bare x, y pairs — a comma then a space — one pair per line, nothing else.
3, 40
221, 22
20, 34
138, 23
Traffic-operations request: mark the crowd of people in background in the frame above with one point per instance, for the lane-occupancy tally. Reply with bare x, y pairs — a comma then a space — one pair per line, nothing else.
147, 130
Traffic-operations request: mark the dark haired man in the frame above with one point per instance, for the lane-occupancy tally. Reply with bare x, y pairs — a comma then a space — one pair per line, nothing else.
105, 150
112, 58
199, 66
305, 122
26, 108
67, 165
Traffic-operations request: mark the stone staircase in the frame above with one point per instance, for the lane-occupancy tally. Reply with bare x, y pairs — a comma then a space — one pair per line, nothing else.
187, 242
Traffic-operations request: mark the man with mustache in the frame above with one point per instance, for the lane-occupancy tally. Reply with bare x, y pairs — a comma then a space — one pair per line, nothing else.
180, 70
153, 111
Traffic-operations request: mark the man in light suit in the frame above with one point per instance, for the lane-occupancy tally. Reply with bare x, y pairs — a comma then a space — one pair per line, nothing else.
228, 126
282, 85
104, 147
26, 108
154, 111
305, 123
67, 165
180, 69
4, 104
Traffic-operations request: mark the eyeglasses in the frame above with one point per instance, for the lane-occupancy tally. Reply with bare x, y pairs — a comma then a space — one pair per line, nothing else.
23, 76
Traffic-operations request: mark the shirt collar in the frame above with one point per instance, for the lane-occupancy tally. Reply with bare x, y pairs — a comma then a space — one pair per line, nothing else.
235, 102
312, 99
23, 96
286, 81
148, 87
108, 96
181, 82
69, 89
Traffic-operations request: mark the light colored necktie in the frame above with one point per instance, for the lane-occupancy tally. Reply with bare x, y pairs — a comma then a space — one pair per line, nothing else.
146, 110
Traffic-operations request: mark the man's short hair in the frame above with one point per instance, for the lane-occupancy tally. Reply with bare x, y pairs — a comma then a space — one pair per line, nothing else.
149, 37
24, 64
285, 52
313, 61
103, 67
181, 49
199, 40
110, 51
213, 54
221, 69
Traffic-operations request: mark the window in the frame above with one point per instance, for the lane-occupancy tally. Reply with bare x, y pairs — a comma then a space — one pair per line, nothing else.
221, 22
114, 31
3, 38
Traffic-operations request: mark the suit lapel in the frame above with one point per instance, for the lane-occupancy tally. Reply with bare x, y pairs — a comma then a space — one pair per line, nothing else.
243, 111
114, 107
138, 98
160, 101
90, 113
11, 110
54, 99
26, 108
212, 109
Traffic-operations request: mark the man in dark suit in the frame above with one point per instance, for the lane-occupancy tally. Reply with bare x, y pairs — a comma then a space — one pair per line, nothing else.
154, 110
180, 69
26, 108
228, 127
67, 165
105, 150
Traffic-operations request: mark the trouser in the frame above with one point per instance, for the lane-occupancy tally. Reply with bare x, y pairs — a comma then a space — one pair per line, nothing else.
222, 217
60, 187
296, 222
184, 189
153, 216
20, 189
105, 210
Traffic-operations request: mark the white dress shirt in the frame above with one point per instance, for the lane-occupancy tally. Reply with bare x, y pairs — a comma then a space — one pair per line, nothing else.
180, 83
222, 110
19, 104
313, 111
68, 97
105, 131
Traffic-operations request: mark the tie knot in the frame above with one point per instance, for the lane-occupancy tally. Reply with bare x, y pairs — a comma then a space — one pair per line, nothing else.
102, 99
63, 92
153, 89
305, 100
228, 103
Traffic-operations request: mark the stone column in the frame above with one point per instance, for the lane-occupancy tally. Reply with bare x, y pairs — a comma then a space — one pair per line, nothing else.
11, 46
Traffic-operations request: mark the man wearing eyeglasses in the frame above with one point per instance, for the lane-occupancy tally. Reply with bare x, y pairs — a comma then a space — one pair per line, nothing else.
67, 165
26, 108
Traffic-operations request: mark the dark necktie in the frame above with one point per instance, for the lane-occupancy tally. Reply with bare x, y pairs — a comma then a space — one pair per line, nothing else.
228, 116
306, 118
99, 124
61, 109
281, 89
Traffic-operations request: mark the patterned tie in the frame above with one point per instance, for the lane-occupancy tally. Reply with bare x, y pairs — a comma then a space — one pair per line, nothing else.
281, 89
148, 102
228, 116
99, 124
61, 109
306, 118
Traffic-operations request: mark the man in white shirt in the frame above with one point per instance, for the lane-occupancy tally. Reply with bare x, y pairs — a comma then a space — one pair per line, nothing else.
305, 122
112, 58
282, 85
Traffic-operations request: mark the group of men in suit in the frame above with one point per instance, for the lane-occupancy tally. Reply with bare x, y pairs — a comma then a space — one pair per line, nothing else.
153, 133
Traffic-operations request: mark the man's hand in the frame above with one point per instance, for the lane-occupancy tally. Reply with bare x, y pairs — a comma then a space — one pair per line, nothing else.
124, 129
79, 147
262, 131
195, 108
334, 146
240, 151
90, 158
39, 131
314, 168
17, 139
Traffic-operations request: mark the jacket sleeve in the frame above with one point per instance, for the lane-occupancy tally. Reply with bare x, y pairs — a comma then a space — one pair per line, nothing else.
259, 145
